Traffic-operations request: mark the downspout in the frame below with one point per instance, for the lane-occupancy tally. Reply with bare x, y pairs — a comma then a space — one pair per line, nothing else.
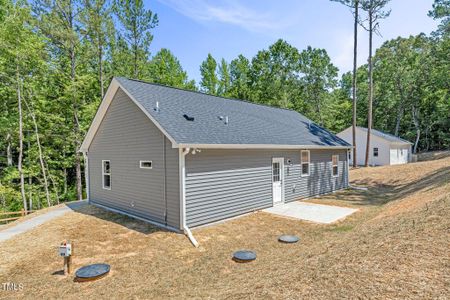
185, 228
164, 179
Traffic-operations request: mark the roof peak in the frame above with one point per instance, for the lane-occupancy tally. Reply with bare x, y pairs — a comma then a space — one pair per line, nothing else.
206, 94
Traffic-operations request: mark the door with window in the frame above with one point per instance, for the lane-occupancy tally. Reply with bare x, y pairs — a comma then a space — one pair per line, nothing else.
277, 179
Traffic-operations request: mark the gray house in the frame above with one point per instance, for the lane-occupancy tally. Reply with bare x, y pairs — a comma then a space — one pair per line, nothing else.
181, 159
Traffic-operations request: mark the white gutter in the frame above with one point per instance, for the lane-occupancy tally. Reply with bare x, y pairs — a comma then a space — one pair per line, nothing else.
186, 230
260, 146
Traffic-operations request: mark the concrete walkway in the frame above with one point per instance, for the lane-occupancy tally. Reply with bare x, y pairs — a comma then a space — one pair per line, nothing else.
26, 225
318, 213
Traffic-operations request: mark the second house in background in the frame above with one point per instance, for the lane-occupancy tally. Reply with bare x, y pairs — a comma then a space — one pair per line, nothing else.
385, 149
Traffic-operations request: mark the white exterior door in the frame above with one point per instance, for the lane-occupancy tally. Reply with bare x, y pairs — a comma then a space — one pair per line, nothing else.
277, 179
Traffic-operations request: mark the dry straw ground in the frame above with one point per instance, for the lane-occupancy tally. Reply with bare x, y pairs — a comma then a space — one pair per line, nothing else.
396, 246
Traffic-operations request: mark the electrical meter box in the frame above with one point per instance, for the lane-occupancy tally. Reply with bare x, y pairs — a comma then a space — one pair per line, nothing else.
65, 249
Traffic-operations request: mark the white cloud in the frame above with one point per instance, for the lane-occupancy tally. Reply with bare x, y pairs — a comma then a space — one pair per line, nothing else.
229, 12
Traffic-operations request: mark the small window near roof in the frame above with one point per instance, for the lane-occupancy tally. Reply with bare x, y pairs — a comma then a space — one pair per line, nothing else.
305, 160
106, 174
146, 164
335, 163
375, 152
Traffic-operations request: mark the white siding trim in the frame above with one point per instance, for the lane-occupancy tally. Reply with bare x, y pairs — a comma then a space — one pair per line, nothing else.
103, 108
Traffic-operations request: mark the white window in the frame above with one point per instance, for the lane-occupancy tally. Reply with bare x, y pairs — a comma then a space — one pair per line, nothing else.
106, 174
335, 165
375, 152
305, 160
146, 164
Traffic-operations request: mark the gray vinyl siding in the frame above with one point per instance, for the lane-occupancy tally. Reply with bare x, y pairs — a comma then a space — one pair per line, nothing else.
225, 183
126, 136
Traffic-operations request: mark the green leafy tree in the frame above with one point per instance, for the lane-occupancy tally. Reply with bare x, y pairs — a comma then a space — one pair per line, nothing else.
240, 78
224, 79
318, 76
21, 64
96, 19
208, 70
59, 21
441, 11
274, 76
137, 23
166, 69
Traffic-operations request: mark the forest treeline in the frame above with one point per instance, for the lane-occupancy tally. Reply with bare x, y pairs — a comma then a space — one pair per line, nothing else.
57, 58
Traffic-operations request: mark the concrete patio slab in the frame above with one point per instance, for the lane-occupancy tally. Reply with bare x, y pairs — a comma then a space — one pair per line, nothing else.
318, 213
26, 225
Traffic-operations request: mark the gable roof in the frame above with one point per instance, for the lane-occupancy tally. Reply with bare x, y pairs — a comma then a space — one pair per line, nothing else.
386, 136
249, 125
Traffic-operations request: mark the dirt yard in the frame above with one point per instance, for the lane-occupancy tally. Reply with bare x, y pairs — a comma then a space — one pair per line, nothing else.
396, 246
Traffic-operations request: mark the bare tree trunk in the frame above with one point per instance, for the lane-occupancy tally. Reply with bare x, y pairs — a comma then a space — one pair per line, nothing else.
55, 188
415, 115
65, 180
355, 62
41, 156
401, 108
369, 113
318, 109
79, 183
3, 200
135, 49
399, 118
100, 69
19, 164
30, 182
9, 157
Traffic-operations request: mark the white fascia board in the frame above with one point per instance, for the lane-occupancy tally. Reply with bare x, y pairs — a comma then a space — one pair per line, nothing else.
259, 146
103, 108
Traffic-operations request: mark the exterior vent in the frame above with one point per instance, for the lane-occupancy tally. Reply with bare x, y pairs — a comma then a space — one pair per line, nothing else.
188, 118
157, 106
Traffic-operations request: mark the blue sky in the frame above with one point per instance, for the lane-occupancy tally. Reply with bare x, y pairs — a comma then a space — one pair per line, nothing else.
193, 28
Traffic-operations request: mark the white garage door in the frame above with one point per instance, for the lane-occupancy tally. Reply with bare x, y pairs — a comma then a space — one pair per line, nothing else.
399, 156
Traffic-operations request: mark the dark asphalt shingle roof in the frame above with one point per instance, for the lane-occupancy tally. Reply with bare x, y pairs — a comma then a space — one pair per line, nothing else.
387, 136
249, 123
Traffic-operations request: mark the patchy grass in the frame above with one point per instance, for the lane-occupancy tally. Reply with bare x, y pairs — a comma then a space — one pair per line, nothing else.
395, 246
341, 228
